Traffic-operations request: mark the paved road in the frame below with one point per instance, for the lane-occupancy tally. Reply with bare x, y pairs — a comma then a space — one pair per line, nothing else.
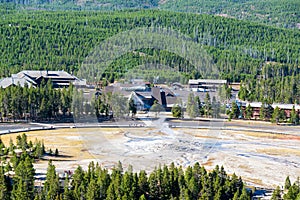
12, 126
202, 123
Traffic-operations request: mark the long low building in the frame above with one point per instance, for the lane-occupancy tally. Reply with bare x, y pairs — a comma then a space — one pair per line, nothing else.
205, 84
33, 78
256, 106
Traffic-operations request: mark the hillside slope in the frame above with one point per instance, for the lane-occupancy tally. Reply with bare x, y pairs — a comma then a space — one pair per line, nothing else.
264, 57
272, 12
284, 14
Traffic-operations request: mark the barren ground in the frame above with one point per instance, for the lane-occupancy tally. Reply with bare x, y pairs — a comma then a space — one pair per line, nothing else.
260, 158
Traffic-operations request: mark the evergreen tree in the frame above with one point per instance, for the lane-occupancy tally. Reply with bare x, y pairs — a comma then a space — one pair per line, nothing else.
103, 181
176, 111
143, 186
4, 192
199, 106
51, 186
92, 190
78, 183
276, 194
294, 116
248, 112
19, 191
191, 107
276, 115
235, 111
156, 108
287, 183
132, 107
266, 110
56, 152
111, 195
244, 195
207, 106
292, 192
24, 180
216, 108
67, 195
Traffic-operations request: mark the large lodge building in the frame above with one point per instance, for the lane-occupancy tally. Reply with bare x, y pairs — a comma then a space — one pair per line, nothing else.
33, 78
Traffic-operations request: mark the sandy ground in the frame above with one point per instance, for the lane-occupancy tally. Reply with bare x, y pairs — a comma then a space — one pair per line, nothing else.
260, 158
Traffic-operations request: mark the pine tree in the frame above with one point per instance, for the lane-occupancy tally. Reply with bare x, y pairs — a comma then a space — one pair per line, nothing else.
67, 195
103, 182
244, 195
56, 152
78, 183
235, 111
199, 106
30, 172
287, 183
207, 106
19, 191
92, 190
142, 197
248, 112
143, 186
111, 194
276, 194
4, 193
176, 111
51, 186
276, 115
191, 107
153, 186
24, 179
132, 107
294, 116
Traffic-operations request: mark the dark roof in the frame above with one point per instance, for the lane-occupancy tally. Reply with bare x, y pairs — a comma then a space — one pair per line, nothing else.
171, 100
144, 95
168, 92
156, 94
159, 95
34, 78
47, 74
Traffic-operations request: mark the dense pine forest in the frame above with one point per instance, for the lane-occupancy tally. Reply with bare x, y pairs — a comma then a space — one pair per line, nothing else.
284, 14
264, 58
272, 12
35, 104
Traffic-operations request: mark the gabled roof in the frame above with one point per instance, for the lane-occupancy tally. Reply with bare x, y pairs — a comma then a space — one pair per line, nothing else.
46, 74
168, 92
156, 93
33, 78
144, 95
138, 97
6, 82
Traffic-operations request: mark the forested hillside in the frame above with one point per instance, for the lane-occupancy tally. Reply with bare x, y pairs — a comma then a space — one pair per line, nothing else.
272, 12
265, 58
284, 14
